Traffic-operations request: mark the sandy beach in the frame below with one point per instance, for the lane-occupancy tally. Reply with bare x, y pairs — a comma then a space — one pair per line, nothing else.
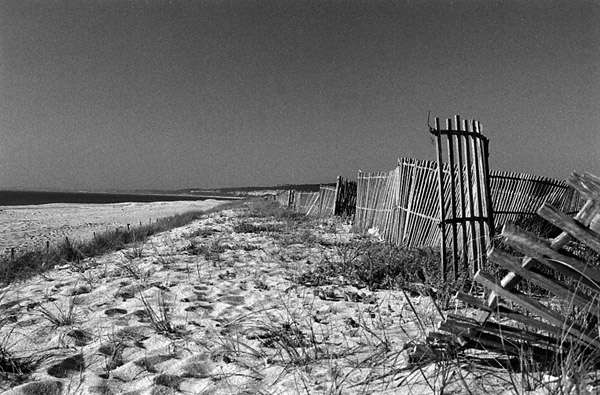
31, 226
223, 306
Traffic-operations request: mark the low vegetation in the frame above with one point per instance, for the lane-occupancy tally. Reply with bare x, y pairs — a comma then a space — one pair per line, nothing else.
28, 263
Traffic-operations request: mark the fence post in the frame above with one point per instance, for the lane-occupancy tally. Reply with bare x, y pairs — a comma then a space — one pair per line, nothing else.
449, 130
453, 211
438, 148
337, 199
490, 207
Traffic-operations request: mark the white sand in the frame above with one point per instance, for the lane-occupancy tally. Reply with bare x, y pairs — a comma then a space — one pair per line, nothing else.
25, 227
238, 321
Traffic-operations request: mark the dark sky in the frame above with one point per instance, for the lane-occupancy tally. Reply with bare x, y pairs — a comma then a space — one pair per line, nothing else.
174, 94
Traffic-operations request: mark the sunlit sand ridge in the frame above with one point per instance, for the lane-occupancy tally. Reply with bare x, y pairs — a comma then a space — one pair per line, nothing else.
26, 227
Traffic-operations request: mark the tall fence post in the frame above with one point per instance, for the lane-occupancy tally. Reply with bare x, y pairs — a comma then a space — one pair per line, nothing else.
467, 179
336, 203
442, 224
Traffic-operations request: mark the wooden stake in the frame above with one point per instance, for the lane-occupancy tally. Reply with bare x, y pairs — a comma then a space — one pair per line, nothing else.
442, 223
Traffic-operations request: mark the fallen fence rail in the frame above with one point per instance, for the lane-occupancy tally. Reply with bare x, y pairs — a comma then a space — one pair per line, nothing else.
536, 326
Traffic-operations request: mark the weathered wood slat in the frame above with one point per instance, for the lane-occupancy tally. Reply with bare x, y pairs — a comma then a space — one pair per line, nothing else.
574, 228
505, 312
439, 337
493, 342
546, 282
473, 301
585, 216
587, 185
459, 325
535, 307
537, 248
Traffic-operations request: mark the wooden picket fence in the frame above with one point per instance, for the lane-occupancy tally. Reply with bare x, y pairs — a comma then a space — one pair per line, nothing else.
285, 198
306, 203
401, 204
511, 322
516, 196
337, 200
345, 197
327, 196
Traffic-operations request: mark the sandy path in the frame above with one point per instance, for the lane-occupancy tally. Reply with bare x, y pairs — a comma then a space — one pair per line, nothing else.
25, 227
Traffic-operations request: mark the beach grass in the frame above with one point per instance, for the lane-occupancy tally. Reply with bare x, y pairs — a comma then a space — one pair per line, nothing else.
23, 265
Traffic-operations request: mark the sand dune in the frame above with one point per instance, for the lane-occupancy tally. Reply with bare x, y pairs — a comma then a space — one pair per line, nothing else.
25, 227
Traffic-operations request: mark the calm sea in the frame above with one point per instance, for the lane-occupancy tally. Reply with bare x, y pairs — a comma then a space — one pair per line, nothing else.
14, 198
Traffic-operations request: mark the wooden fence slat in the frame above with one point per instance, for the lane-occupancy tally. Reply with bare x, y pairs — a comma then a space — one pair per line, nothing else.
533, 246
506, 313
489, 341
586, 186
546, 282
570, 226
535, 307
585, 215
462, 187
441, 194
454, 214
472, 328
480, 167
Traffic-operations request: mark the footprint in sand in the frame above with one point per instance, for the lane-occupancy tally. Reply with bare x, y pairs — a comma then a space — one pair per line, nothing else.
168, 380
114, 311
233, 300
150, 363
46, 387
81, 337
67, 367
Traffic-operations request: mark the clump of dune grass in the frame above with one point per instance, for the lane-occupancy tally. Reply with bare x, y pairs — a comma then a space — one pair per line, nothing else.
12, 369
60, 315
374, 265
159, 316
35, 261
249, 227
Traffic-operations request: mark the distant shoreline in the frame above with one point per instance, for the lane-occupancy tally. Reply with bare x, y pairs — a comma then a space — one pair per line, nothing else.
27, 198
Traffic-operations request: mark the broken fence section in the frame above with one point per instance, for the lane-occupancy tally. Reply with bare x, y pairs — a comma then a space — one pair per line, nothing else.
511, 322
464, 198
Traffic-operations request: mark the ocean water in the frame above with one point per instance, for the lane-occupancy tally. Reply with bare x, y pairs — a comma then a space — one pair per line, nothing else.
17, 198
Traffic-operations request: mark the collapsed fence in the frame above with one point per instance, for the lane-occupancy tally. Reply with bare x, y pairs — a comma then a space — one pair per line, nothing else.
540, 330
